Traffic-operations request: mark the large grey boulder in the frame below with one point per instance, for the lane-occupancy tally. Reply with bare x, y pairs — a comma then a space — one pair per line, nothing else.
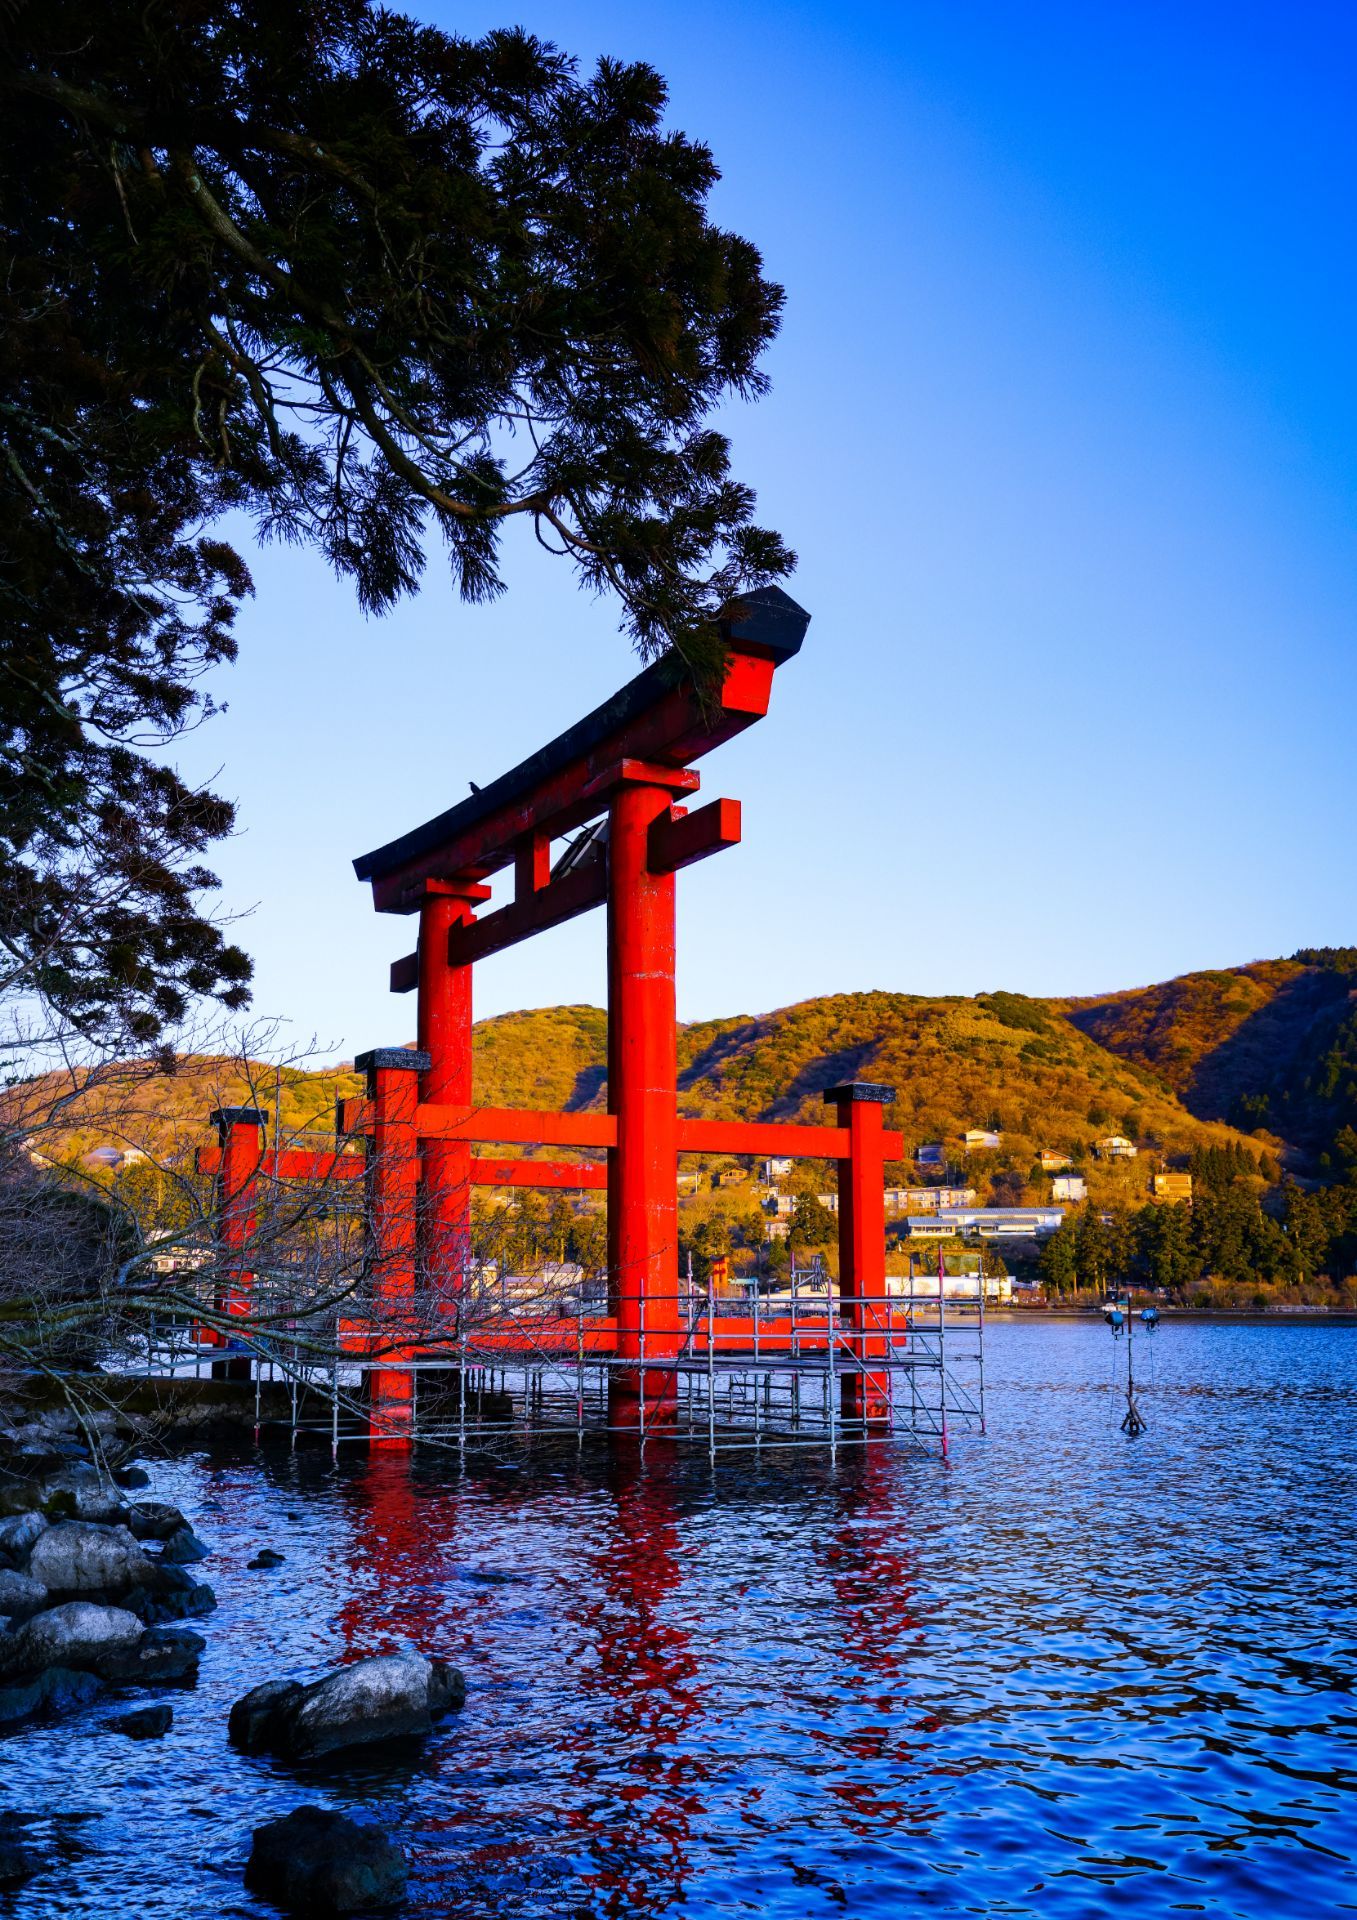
112, 1642
20, 1595
78, 1634
78, 1557
315, 1861
394, 1696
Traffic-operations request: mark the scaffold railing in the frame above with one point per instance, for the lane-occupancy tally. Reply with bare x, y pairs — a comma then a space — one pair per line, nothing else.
492, 1360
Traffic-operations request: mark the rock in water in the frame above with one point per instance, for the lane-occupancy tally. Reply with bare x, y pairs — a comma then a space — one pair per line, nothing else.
266, 1557
183, 1548
177, 1596
315, 1861
392, 1697
154, 1519
147, 1723
76, 1635
252, 1717
132, 1478
59, 1690
64, 1689
162, 1654
447, 1687
77, 1557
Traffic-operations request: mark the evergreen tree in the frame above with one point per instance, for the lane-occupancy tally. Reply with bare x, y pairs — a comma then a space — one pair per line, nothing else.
813, 1225
1164, 1251
1058, 1262
377, 286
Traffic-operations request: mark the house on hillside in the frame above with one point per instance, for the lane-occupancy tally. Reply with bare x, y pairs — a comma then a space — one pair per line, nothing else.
111, 1158
732, 1177
1117, 1147
1052, 1161
1171, 1186
689, 1182
983, 1139
829, 1201
927, 1199
930, 1155
1069, 1186
780, 1206
775, 1170
988, 1223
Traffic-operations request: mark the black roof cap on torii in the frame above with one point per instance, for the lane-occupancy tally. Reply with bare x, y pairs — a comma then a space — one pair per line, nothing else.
767, 619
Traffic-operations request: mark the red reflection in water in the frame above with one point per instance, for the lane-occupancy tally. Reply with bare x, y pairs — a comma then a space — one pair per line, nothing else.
403, 1536
640, 1695
871, 1570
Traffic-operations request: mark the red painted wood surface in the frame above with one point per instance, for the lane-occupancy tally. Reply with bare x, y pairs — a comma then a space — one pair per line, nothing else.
519, 1126
236, 1209
392, 1188
679, 728
564, 899
775, 1137
571, 1175
561, 1336
642, 1097
678, 839
293, 1164
862, 1257
444, 1016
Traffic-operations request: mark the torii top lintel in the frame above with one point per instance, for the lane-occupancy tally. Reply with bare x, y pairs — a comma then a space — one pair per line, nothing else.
658, 717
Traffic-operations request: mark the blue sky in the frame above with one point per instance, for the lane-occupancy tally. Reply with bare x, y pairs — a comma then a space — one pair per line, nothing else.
1062, 427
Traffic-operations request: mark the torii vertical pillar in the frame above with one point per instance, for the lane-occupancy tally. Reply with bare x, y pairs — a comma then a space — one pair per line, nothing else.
444, 1035
862, 1248
642, 1095
240, 1131
393, 1177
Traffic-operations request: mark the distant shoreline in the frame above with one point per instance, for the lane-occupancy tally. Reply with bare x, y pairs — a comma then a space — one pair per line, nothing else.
1266, 1316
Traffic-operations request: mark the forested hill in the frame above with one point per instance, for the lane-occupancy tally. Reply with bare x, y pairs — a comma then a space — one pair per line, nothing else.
997, 1060
1270, 1045
1269, 1049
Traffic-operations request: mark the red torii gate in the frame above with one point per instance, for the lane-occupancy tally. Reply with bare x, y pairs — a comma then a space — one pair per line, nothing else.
626, 766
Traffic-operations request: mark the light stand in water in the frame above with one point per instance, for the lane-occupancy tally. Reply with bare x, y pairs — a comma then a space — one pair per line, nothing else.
1133, 1423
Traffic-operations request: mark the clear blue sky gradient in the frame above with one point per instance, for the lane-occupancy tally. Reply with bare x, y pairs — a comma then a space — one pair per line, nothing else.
1062, 427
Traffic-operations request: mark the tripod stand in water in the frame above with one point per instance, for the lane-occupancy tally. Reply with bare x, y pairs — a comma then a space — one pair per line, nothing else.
1121, 1319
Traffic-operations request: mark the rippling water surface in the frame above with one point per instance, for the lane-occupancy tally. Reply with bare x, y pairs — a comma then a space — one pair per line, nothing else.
1066, 1674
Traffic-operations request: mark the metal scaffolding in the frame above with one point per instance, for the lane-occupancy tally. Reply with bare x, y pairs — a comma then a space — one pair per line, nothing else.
787, 1371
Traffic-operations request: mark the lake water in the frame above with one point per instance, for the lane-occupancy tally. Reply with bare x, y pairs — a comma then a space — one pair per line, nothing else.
1063, 1675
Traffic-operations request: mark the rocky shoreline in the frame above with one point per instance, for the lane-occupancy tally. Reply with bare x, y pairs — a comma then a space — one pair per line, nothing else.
94, 1596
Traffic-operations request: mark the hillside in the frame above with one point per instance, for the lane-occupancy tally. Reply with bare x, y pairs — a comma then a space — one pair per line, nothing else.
955, 1063
1269, 1045
1177, 1066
